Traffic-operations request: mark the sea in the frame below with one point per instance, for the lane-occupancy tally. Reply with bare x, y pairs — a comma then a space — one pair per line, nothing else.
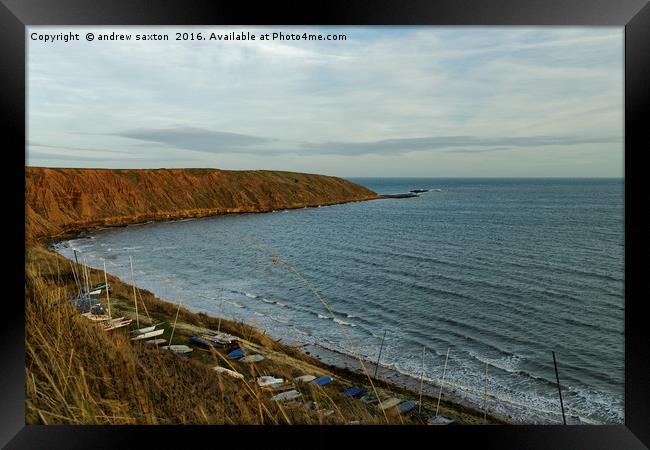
489, 276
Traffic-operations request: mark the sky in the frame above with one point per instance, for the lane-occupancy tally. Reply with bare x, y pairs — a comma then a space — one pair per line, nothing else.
387, 101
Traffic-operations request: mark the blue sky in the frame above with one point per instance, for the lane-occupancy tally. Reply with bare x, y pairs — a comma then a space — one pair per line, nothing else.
388, 101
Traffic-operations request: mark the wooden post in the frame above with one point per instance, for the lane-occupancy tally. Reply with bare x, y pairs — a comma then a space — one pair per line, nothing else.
557, 377
442, 381
135, 299
380, 348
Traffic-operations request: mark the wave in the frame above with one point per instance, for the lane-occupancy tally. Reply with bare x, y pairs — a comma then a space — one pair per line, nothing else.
320, 316
342, 322
248, 294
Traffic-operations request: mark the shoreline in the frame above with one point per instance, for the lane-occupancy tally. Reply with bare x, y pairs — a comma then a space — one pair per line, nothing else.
338, 362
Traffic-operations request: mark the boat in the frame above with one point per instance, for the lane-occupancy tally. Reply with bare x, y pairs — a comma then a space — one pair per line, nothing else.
353, 391
144, 330
236, 354
305, 378
232, 373
96, 317
268, 380
389, 403
252, 359
223, 338
115, 324
150, 334
212, 340
179, 349
200, 341
322, 381
439, 420
288, 395
156, 341
406, 407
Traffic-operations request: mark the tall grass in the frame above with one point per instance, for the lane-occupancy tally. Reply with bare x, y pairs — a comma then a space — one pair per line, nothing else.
76, 373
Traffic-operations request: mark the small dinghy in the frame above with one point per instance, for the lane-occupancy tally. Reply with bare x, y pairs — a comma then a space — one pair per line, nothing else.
389, 403
439, 420
353, 391
149, 334
322, 381
305, 378
236, 354
252, 359
232, 373
180, 349
269, 381
144, 330
406, 407
204, 341
156, 341
284, 396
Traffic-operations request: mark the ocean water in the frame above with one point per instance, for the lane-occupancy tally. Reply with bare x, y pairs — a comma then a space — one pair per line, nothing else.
497, 271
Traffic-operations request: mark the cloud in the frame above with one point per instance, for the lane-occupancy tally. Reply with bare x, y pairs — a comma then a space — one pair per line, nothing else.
196, 139
400, 146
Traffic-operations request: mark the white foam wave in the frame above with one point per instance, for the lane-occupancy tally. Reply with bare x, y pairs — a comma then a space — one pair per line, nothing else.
343, 322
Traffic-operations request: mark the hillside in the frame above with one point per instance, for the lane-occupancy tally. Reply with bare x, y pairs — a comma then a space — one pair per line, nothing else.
59, 201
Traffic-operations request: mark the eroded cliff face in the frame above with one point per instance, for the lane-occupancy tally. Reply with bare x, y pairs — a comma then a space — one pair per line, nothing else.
59, 201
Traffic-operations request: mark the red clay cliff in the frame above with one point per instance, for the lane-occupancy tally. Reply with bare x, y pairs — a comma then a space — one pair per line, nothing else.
61, 201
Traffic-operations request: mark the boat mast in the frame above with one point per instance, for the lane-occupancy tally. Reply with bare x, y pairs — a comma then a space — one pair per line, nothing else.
442, 382
108, 299
174, 327
421, 381
485, 396
380, 349
220, 312
135, 298
559, 390
87, 276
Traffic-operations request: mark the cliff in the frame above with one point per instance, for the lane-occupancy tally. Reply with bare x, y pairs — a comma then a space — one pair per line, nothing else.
59, 201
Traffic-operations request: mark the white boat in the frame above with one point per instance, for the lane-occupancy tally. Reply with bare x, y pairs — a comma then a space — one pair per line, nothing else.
180, 349
232, 373
305, 378
156, 341
389, 403
289, 395
268, 380
144, 330
252, 359
150, 334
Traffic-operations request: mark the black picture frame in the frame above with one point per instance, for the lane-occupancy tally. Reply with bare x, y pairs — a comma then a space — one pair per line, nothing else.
634, 15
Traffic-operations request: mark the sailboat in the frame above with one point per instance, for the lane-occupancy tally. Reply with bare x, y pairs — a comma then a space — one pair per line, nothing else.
111, 323
183, 350
146, 332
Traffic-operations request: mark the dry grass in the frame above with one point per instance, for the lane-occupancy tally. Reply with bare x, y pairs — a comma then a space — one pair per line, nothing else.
78, 374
